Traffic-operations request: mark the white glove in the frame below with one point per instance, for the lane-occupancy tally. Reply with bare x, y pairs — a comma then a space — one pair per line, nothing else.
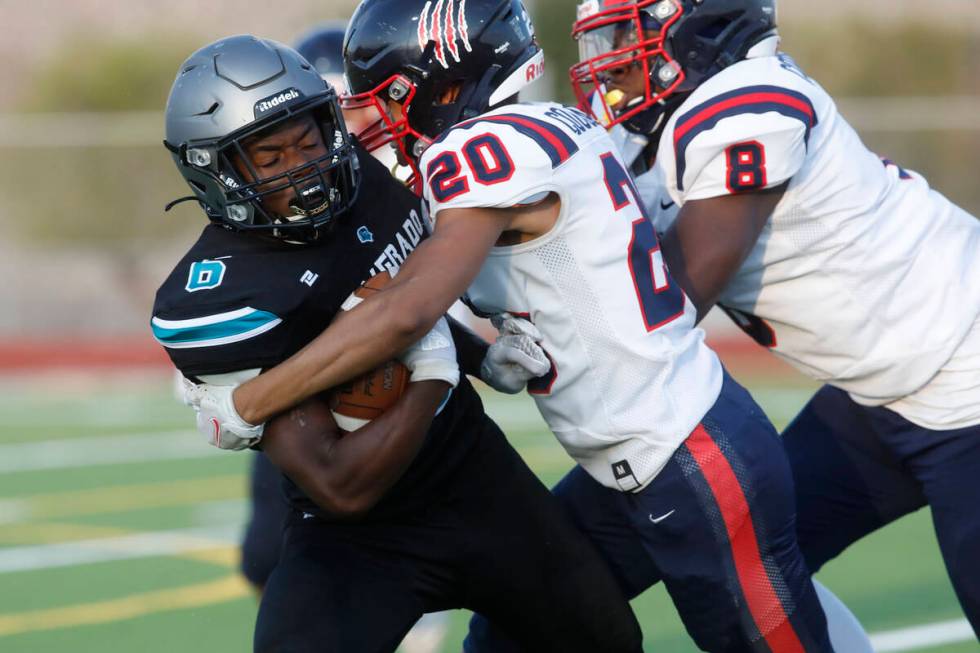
515, 358
183, 389
217, 419
433, 358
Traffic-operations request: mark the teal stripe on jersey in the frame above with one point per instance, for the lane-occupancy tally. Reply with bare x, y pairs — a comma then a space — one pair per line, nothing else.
229, 330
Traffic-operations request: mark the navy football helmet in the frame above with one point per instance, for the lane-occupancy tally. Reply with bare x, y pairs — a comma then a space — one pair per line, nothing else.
440, 61
676, 43
323, 46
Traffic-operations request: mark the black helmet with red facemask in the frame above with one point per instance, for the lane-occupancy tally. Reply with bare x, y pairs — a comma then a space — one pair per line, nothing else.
442, 61
677, 44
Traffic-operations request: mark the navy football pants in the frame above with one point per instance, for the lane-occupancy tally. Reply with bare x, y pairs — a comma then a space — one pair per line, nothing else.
494, 540
858, 468
263, 534
718, 527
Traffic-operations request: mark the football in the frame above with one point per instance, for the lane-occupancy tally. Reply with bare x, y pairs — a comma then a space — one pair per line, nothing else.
368, 396
371, 394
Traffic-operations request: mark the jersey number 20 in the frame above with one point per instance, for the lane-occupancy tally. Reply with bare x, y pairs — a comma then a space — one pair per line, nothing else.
487, 159
661, 300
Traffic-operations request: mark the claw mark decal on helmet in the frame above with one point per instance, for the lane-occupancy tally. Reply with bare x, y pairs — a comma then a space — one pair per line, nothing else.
437, 34
464, 29
423, 26
444, 29
451, 33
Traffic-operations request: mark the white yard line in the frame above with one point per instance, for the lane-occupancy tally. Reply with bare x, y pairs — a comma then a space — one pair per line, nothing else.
102, 450
128, 547
916, 638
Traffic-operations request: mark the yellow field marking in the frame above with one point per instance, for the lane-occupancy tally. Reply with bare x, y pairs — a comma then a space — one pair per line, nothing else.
225, 589
223, 556
134, 497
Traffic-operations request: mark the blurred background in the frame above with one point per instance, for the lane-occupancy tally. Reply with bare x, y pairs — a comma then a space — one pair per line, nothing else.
118, 528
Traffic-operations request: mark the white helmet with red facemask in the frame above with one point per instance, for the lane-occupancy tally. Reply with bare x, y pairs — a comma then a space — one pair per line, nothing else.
677, 44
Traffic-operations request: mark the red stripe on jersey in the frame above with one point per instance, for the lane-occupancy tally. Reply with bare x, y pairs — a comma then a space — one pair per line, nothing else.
563, 152
764, 605
750, 98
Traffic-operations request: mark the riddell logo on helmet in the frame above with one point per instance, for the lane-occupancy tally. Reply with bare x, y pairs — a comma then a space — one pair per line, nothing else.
444, 26
276, 101
534, 70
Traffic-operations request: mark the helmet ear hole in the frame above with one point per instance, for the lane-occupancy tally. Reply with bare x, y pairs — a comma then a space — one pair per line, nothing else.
449, 94
715, 28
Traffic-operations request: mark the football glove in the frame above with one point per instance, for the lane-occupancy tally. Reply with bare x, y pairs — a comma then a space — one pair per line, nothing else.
515, 358
183, 389
218, 420
433, 358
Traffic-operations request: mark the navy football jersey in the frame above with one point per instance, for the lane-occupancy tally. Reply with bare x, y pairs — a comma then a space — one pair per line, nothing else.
241, 302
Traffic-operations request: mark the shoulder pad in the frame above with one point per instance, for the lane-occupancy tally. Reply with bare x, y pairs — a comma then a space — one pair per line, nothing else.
220, 314
744, 139
214, 329
497, 160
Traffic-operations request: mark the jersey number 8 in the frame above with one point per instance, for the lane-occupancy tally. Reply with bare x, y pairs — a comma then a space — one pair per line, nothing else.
746, 167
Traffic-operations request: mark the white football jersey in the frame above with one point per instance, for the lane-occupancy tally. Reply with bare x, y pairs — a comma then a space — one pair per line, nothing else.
631, 376
863, 277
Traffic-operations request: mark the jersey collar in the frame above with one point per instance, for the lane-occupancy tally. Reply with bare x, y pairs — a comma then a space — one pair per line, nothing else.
765, 48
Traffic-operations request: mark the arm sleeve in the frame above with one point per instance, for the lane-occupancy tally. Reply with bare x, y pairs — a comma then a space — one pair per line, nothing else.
741, 154
485, 165
220, 342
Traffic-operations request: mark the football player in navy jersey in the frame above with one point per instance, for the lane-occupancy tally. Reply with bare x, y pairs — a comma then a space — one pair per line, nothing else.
425, 507
321, 46
849, 267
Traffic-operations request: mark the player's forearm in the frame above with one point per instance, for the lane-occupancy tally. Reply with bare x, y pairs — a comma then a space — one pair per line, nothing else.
704, 275
362, 466
378, 329
357, 341
711, 238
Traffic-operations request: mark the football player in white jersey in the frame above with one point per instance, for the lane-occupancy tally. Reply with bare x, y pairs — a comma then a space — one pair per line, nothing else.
535, 214
846, 265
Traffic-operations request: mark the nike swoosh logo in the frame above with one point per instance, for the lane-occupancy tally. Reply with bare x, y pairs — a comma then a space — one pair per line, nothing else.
662, 517
217, 432
666, 206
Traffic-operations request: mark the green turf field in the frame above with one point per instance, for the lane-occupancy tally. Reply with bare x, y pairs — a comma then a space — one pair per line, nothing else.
118, 531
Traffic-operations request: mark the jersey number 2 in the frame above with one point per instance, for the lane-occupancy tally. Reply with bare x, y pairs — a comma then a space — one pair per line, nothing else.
661, 300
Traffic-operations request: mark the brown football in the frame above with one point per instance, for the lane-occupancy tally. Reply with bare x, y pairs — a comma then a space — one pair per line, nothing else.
368, 396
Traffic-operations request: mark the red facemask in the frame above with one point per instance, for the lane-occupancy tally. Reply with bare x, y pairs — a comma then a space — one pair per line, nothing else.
614, 36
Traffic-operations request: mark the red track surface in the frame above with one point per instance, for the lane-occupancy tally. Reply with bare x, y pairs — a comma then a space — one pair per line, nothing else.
28, 355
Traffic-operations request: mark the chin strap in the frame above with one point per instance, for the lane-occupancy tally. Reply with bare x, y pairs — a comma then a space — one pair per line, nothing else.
179, 200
